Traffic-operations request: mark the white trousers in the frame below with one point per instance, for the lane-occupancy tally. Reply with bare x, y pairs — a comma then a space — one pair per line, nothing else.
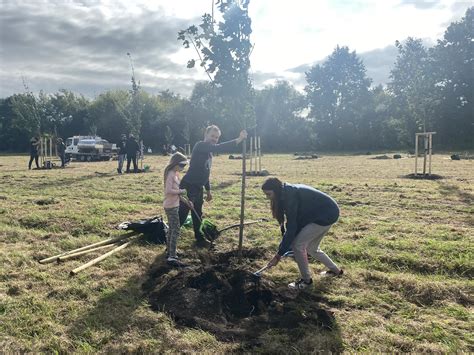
307, 242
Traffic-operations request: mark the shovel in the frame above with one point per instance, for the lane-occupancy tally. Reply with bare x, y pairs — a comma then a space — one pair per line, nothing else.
258, 274
209, 229
212, 233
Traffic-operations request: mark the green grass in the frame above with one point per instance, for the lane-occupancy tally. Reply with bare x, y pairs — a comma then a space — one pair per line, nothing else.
406, 246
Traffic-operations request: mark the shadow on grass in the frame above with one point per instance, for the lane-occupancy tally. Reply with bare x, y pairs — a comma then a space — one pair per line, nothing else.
449, 190
225, 184
112, 315
282, 320
69, 181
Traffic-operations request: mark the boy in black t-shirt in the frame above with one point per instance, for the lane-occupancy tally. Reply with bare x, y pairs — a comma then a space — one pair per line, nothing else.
198, 174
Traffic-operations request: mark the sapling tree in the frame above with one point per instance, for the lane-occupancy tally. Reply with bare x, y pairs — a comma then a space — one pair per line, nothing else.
135, 108
223, 49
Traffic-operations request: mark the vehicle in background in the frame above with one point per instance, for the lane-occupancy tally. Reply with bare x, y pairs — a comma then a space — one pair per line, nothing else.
89, 148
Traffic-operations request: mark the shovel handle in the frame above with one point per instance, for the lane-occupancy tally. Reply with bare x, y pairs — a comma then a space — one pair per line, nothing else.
258, 272
245, 224
192, 208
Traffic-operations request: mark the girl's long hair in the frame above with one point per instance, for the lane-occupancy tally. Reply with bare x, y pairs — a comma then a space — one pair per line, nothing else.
275, 185
175, 159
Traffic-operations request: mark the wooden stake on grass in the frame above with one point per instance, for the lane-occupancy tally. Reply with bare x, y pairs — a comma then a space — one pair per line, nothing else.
73, 255
100, 258
242, 199
259, 156
251, 155
103, 242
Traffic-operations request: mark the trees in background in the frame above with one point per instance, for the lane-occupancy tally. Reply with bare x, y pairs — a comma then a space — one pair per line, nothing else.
338, 93
452, 67
280, 117
429, 88
411, 87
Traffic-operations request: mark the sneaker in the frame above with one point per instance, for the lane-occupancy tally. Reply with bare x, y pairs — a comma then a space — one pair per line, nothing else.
300, 284
175, 262
331, 273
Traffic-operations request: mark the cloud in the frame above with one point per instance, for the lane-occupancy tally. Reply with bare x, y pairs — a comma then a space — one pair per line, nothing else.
421, 4
73, 46
81, 45
378, 63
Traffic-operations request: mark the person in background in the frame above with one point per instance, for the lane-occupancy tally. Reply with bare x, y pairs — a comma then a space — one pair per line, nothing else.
34, 152
132, 149
171, 202
61, 149
198, 174
309, 215
122, 152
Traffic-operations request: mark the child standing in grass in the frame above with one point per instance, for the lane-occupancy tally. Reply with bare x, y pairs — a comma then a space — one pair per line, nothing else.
173, 196
309, 215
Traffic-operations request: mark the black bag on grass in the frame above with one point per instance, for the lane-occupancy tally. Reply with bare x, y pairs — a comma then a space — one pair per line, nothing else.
153, 228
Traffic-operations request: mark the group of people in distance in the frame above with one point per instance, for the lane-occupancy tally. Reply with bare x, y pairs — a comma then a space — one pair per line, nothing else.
35, 151
304, 214
129, 149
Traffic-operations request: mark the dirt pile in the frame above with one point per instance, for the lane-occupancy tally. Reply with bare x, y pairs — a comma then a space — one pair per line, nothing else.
227, 300
423, 177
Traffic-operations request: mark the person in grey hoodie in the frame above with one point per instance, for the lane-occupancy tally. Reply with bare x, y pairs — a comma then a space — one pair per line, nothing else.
309, 214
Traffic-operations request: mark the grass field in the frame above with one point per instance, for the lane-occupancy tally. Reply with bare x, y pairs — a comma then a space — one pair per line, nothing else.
406, 246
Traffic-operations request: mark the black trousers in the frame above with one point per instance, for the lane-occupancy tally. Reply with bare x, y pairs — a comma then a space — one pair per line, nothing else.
62, 156
195, 194
131, 158
34, 157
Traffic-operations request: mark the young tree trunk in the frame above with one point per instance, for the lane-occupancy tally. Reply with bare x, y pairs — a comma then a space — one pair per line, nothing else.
242, 199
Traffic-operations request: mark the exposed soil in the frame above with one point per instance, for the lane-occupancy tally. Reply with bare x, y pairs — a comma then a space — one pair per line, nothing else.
226, 299
423, 177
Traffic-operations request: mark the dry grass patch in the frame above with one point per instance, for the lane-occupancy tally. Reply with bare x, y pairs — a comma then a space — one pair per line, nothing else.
405, 246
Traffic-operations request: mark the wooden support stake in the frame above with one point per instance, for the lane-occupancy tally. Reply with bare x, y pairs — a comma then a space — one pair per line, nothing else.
73, 255
425, 151
430, 152
416, 154
50, 149
43, 151
259, 156
100, 258
103, 242
255, 154
251, 155
242, 200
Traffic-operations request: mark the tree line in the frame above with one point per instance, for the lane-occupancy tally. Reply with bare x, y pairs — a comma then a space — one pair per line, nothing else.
429, 89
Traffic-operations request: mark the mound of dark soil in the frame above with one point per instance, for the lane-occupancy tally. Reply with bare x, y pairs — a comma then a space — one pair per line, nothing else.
381, 157
423, 177
228, 301
46, 201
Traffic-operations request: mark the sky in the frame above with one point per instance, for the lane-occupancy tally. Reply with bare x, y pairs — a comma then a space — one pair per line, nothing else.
82, 45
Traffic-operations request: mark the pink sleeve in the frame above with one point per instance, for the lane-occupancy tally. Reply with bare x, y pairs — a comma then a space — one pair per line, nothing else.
169, 184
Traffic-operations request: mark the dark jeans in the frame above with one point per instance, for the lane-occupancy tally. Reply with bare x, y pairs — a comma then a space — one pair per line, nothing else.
131, 158
35, 158
63, 159
196, 196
